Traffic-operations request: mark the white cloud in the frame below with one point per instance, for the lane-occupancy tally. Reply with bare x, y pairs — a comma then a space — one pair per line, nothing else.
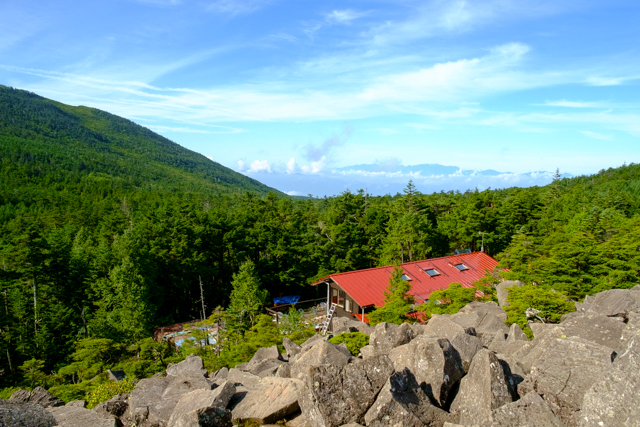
609, 81
160, 2
596, 135
435, 18
315, 167
291, 165
570, 104
422, 126
384, 131
293, 193
159, 128
343, 16
454, 80
241, 165
260, 166
236, 7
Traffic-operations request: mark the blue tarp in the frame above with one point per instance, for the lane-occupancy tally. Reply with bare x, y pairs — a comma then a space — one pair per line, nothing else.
287, 300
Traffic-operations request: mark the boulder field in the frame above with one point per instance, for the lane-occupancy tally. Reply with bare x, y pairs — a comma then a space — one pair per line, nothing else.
468, 369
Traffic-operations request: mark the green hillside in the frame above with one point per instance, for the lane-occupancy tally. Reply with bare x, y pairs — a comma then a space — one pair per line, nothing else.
47, 145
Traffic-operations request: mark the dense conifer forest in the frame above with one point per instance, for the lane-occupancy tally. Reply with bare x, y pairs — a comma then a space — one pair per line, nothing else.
108, 230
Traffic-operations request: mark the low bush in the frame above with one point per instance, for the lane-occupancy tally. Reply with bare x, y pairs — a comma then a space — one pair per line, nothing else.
353, 340
106, 391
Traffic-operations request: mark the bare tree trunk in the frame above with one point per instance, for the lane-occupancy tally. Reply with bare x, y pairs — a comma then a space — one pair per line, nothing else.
204, 314
35, 308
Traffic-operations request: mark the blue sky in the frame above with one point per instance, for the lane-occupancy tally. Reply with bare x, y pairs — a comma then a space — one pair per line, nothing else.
290, 91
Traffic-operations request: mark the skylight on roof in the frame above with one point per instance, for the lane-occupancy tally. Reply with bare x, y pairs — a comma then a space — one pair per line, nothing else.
431, 272
405, 277
461, 267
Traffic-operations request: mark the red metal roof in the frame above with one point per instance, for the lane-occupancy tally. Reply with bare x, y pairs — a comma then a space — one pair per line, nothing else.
367, 287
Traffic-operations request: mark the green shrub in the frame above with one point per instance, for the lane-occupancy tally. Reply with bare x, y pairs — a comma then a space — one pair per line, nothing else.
449, 300
302, 335
551, 304
71, 392
106, 391
354, 341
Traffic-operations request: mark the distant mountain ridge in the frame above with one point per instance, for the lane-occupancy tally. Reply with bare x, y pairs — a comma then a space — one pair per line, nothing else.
44, 140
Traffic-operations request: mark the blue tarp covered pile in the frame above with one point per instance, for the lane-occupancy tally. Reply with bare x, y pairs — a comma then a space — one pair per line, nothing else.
287, 300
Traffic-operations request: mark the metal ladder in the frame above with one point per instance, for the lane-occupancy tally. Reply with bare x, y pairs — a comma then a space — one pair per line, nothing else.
325, 328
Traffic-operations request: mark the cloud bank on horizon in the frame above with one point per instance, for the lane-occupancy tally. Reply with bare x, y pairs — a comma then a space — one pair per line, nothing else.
277, 88
388, 176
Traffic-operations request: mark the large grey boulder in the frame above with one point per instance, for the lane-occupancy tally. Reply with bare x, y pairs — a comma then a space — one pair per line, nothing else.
483, 308
514, 341
367, 352
323, 353
266, 358
594, 327
192, 364
192, 407
205, 417
311, 342
335, 396
615, 302
632, 328
514, 372
342, 347
442, 326
292, 349
503, 293
284, 371
614, 400
387, 336
467, 346
564, 373
533, 350
298, 420
530, 411
221, 374
38, 395
153, 399
270, 400
242, 378
115, 407
434, 362
345, 324
75, 416
486, 318
20, 414
402, 402
484, 389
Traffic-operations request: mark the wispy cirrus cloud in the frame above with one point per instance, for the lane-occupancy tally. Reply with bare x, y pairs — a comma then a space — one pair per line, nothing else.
570, 104
610, 81
237, 7
344, 16
435, 18
596, 135
160, 2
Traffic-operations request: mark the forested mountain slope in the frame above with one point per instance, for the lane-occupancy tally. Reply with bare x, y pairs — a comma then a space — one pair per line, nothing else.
52, 146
